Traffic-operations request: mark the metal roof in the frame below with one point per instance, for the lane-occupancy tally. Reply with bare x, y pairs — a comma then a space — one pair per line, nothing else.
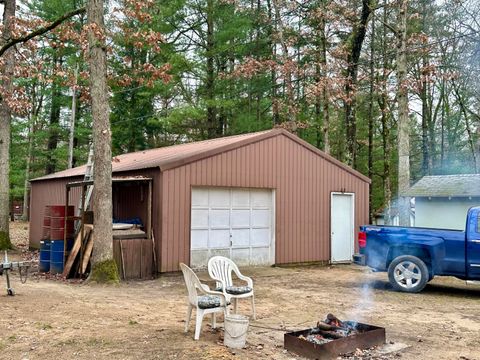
177, 155
446, 186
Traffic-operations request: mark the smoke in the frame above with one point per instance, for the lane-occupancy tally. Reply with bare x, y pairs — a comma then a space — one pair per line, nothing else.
364, 305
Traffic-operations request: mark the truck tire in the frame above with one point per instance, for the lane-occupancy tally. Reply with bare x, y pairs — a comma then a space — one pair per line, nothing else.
408, 273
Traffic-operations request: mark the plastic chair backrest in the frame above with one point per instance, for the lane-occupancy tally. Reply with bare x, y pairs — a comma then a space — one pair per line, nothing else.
192, 282
220, 268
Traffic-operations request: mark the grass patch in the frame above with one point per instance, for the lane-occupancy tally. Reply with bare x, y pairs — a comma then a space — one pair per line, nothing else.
95, 342
44, 326
132, 322
68, 342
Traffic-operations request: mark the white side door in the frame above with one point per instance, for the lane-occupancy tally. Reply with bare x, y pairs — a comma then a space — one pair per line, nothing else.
342, 227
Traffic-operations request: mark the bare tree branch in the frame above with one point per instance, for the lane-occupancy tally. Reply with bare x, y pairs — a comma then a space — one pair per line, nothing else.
40, 31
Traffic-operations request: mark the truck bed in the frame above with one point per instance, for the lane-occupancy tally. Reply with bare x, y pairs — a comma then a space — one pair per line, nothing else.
400, 230
444, 246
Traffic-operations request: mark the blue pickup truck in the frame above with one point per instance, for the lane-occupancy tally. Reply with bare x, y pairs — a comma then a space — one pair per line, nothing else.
413, 256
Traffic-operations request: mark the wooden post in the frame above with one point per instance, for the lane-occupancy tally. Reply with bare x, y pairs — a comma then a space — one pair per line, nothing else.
149, 210
67, 194
150, 228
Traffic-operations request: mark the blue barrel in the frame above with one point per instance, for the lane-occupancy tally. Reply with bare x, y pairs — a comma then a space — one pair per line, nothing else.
44, 263
57, 255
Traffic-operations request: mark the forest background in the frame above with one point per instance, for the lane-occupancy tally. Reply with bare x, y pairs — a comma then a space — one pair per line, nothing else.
186, 70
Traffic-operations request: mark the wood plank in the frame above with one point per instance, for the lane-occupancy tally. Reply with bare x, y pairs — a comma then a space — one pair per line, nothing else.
76, 248
87, 254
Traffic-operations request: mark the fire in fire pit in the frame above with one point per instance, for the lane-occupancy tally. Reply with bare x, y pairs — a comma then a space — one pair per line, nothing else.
333, 337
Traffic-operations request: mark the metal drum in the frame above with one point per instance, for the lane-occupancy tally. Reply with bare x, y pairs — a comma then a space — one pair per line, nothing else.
46, 224
61, 226
59, 210
58, 254
44, 263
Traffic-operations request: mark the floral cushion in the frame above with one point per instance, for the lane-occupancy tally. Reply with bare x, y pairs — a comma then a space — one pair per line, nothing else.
209, 302
236, 290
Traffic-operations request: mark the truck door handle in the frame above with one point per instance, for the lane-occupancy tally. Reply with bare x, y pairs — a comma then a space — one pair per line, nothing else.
476, 241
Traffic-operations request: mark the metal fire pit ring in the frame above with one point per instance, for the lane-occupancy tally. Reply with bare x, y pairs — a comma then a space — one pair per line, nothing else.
367, 337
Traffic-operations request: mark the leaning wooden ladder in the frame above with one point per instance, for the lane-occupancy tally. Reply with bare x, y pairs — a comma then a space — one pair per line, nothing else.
83, 204
83, 242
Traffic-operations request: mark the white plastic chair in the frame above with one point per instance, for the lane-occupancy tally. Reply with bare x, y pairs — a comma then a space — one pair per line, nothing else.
195, 301
220, 269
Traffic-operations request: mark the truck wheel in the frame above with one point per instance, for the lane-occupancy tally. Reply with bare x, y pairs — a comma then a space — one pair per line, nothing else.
408, 273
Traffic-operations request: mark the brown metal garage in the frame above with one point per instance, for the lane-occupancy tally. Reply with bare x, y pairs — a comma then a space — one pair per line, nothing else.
260, 198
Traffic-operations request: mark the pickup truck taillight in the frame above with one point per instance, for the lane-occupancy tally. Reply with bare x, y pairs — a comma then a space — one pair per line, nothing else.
362, 239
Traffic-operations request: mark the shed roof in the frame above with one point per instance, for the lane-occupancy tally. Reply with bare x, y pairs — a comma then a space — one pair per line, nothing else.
177, 155
446, 185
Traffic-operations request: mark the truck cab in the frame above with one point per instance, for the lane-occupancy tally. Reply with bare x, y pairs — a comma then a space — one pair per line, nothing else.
472, 248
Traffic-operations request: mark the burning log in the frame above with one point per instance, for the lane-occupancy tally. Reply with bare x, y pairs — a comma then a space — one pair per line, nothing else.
331, 329
327, 327
333, 320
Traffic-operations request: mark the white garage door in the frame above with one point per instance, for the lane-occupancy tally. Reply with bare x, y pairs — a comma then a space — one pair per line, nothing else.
236, 223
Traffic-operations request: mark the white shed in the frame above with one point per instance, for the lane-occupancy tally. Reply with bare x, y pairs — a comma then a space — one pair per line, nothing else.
442, 201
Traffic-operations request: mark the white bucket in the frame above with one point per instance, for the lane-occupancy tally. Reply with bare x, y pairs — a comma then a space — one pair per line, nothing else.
236, 327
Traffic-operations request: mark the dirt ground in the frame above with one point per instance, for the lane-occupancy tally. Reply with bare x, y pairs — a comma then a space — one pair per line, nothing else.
52, 319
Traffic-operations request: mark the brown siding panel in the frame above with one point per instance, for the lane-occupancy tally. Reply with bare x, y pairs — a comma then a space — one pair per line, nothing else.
303, 182
45, 193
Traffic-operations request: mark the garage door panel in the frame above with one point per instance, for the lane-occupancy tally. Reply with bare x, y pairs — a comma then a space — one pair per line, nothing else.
240, 198
219, 239
241, 256
199, 258
200, 198
219, 252
219, 198
240, 218
261, 218
260, 256
199, 239
260, 237
199, 218
261, 198
220, 219
240, 237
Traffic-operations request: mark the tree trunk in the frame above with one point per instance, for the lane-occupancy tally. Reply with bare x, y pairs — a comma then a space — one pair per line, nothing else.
54, 124
426, 169
72, 121
212, 127
5, 119
326, 105
403, 140
289, 90
354, 45
26, 190
104, 268
370, 122
387, 182
425, 122
273, 73
442, 140
473, 144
